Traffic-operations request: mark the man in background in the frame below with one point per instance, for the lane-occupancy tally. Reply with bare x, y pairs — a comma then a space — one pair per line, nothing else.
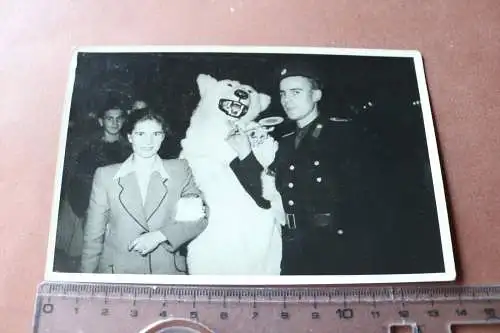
107, 146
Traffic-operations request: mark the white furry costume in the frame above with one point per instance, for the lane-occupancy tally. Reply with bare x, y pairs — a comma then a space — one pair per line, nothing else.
241, 238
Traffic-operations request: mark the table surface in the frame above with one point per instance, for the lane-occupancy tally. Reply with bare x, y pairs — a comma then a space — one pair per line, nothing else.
458, 39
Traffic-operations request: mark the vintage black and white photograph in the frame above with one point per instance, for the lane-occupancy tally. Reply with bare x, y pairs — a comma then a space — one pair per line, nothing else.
248, 165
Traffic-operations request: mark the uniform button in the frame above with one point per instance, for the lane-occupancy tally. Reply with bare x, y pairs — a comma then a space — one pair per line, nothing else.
340, 232
316, 163
290, 185
319, 179
292, 167
290, 203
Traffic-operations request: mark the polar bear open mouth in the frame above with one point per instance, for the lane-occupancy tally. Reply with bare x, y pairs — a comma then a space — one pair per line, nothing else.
232, 108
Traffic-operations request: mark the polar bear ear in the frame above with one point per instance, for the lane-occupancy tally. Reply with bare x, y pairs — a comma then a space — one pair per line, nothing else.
204, 82
265, 100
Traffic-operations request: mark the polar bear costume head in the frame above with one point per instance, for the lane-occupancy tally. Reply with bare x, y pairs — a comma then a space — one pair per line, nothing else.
230, 101
223, 105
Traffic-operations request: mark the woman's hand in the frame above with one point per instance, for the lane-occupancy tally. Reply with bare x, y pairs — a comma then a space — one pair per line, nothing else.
147, 242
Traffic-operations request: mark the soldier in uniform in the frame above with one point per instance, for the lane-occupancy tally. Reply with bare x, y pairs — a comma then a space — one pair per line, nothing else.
318, 176
326, 195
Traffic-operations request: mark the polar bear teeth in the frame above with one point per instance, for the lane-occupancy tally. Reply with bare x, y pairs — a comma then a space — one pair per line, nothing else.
233, 108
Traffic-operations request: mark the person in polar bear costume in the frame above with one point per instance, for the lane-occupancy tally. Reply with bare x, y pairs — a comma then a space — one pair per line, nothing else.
243, 236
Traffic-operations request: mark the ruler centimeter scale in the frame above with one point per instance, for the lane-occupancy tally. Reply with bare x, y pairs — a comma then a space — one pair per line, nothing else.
86, 307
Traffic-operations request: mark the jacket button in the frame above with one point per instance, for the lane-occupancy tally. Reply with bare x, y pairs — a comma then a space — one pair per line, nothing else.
316, 163
290, 185
292, 167
340, 232
319, 179
290, 203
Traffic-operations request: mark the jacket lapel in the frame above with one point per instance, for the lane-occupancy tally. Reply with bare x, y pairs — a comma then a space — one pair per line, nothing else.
286, 148
130, 199
157, 191
311, 137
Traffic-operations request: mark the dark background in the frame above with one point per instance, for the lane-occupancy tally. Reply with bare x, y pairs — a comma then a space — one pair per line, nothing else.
391, 128
167, 82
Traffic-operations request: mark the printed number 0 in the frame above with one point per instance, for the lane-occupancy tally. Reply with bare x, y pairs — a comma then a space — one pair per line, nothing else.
48, 308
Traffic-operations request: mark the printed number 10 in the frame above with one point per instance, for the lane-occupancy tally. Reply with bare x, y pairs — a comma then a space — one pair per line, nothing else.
345, 313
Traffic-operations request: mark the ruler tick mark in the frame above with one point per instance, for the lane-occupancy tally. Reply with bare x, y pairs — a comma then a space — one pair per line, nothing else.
485, 306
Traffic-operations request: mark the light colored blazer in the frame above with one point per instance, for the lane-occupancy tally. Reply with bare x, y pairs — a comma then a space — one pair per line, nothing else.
116, 216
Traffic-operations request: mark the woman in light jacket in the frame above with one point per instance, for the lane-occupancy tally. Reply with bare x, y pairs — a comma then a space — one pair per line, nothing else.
142, 212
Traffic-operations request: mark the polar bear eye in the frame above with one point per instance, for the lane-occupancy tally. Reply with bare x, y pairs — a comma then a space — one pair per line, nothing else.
230, 84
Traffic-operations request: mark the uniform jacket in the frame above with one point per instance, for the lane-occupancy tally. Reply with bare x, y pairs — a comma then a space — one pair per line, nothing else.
323, 182
324, 179
308, 169
116, 216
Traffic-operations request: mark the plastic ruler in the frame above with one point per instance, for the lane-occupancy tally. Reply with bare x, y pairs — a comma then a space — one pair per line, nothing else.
79, 307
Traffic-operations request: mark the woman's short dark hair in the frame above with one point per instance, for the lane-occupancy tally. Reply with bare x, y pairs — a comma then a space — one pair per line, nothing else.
141, 115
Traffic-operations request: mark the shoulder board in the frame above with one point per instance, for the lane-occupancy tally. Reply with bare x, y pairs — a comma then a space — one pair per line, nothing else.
340, 120
287, 134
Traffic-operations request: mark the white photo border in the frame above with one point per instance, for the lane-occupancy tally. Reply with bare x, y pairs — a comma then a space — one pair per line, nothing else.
449, 273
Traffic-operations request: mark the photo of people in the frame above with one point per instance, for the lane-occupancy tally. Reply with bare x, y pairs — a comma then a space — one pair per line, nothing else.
240, 165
